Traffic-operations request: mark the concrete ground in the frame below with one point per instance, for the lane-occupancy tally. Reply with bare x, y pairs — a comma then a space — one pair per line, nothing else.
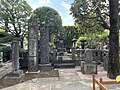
69, 79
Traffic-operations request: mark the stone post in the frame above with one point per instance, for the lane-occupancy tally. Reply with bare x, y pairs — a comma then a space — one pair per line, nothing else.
44, 50
15, 56
73, 50
1, 58
44, 46
16, 76
33, 46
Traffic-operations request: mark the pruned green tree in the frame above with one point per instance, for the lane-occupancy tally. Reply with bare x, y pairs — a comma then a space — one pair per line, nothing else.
14, 15
50, 18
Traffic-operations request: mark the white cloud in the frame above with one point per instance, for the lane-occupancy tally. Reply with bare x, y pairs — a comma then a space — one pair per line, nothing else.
65, 5
69, 20
43, 2
39, 3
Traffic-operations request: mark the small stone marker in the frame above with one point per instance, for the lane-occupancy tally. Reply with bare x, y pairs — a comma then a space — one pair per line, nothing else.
88, 66
1, 58
16, 76
88, 56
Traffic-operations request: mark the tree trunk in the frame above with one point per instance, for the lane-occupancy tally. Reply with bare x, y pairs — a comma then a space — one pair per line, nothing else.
113, 63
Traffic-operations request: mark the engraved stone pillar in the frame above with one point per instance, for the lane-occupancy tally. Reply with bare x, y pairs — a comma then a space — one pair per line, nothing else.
33, 46
44, 50
15, 56
44, 46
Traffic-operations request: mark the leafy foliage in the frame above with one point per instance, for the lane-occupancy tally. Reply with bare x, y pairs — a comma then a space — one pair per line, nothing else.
89, 13
48, 17
5, 37
14, 16
69, 33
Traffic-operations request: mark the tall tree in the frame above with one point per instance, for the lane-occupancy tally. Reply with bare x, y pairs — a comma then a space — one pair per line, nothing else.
114, 63
49, 17
69, 33
89, 13
14, 15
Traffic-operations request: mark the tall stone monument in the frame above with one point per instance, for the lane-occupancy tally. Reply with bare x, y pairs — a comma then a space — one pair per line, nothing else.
44, 49
44, 45
16, 76
33, 46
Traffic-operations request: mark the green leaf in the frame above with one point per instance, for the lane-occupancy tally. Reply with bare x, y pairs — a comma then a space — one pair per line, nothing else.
118, 78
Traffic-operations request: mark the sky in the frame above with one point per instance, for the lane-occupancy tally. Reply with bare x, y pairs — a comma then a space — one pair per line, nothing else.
61, 6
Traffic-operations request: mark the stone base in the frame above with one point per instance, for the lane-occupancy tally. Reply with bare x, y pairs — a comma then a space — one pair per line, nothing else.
14, 78
45, 67
60, 58
33, 72
77, 62
89, 67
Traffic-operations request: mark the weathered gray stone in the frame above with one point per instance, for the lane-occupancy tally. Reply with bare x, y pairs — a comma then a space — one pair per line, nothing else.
15, 56
89, 67
44, 46
45, 67
11, 79
16, 76
73, 51
60, 58
80, 54
88, 56
97, 55
33, 46
1, 58
105, 58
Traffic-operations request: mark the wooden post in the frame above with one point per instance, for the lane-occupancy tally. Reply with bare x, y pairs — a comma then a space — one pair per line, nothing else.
101, 83
93, 82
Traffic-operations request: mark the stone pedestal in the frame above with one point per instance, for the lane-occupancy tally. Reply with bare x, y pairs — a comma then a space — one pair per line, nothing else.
14, 78
45, 67
88, 67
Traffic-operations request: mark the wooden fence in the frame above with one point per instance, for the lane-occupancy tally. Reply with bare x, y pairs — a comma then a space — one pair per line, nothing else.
102, 83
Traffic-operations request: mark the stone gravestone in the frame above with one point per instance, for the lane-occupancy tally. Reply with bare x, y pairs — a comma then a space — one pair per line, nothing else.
1, 58
88, 56
88, 66
16, 76
44, 46
44, 49
33, 46
60, 50
73, 50
105, 57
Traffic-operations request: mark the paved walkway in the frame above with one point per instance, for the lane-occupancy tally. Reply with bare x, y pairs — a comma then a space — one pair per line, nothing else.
69, 79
